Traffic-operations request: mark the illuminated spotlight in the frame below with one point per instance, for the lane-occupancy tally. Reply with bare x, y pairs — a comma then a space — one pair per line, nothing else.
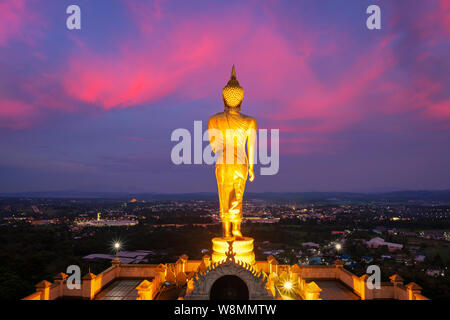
288, 286
117, 246
338, 246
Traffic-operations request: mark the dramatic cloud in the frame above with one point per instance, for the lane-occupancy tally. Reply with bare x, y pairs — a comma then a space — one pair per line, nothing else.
313, 71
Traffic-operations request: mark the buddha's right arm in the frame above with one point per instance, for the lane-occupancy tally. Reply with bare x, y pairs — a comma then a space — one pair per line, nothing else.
211, 135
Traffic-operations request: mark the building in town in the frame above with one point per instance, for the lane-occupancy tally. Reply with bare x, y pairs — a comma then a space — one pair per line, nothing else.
379, 242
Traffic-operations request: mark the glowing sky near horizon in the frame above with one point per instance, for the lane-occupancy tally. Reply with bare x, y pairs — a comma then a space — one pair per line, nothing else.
93, 109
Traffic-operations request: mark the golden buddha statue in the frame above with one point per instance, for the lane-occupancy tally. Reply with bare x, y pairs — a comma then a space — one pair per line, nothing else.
229, 132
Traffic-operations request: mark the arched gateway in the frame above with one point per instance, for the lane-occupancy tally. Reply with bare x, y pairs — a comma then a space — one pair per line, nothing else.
229, 287
230, 280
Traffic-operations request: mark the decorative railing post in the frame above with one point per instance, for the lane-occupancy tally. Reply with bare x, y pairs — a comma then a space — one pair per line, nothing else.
145, 290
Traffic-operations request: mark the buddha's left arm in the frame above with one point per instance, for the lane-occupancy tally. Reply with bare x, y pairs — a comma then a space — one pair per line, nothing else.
251, 133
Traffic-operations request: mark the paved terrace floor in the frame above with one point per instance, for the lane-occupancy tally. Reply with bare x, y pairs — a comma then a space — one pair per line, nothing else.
125, 289
120, 290
335, 290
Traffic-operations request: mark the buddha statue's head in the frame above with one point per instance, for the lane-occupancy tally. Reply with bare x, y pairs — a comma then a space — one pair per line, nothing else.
233, 93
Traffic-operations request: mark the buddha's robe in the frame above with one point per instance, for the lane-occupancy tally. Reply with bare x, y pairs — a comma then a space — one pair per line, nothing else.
228, 134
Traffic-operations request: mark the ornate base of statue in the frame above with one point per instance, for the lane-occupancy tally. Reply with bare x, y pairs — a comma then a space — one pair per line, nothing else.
242, 247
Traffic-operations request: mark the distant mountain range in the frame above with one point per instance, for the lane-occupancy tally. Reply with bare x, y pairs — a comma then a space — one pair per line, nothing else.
423, 196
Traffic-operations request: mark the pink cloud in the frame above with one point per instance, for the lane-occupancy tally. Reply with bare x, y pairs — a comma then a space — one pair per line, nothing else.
440, 111
441, 17
17, 21
430, 23
334, 106
150, 70
191, 50
130, 78
190, 56
16, 114
145, 13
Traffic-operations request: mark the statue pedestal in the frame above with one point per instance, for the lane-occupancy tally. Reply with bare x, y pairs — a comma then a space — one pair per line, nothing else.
242, 247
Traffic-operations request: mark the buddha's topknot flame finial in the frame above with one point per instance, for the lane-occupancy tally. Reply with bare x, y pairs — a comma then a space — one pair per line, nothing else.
233, 73
233, 93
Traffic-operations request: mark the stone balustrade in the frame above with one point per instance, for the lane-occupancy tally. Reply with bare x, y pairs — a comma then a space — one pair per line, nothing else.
183, 270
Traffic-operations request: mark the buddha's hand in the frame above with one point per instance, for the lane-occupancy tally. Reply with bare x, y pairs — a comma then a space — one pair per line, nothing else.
251, 174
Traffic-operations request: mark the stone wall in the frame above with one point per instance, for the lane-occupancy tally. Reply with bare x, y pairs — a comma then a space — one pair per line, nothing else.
138, 271
180, 272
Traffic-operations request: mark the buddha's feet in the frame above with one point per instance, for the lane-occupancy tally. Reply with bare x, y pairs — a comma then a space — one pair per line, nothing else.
237, 233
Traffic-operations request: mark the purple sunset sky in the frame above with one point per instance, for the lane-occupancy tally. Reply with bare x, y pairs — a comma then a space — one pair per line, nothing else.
93, 109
